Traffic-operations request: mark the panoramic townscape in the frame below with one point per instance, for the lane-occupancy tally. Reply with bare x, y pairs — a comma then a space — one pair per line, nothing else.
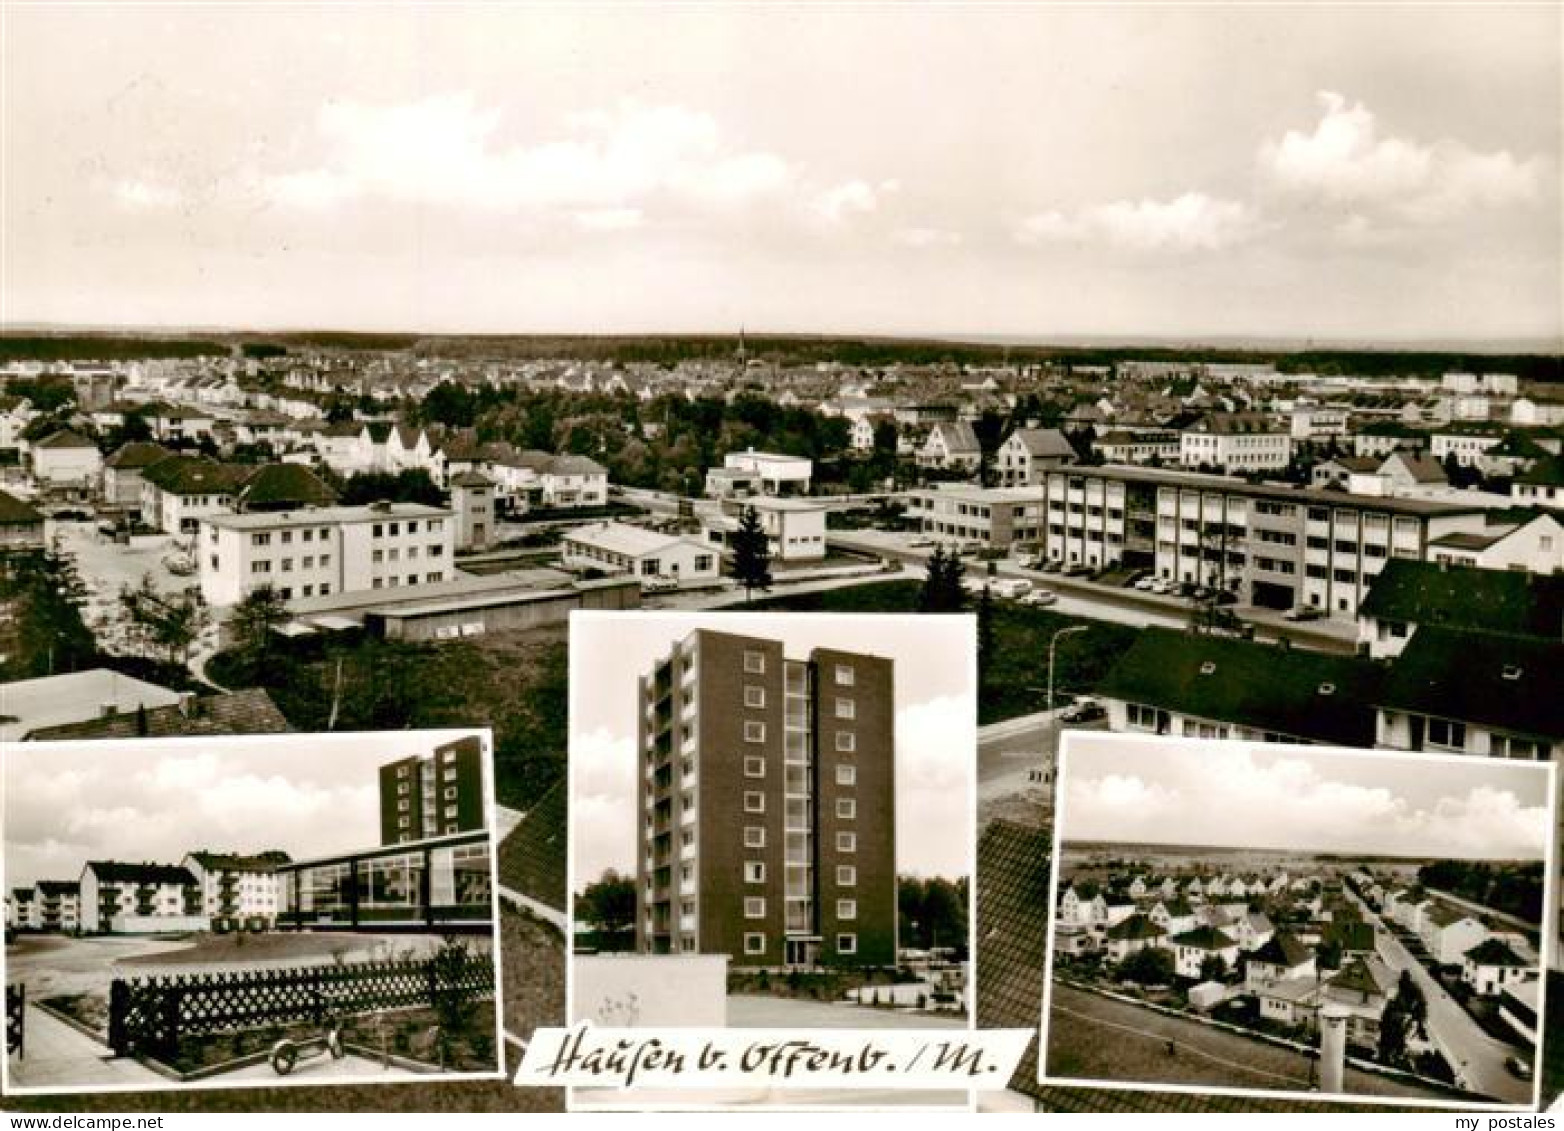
788, 436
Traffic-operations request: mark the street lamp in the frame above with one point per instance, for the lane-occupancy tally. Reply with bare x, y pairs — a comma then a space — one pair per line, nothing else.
1051, 645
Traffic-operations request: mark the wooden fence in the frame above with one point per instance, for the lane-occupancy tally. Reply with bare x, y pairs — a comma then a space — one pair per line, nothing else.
152, 1015
16, 1020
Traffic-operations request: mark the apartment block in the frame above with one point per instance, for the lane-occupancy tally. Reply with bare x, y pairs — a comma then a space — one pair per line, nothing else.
237, 891
319, 551
435, 794
990, 516
767, 805
1272, 545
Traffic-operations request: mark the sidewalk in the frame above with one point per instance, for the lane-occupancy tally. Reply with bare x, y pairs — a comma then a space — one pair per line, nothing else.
59, 1056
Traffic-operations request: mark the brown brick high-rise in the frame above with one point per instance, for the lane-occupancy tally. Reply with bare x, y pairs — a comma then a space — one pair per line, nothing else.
767, 805
435, 794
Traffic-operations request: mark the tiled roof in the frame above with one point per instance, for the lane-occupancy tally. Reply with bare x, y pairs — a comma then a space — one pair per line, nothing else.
1291, 691
1490, 600
290, 484
114, 872
137, 454
1495, 952
1283, 949
64, 438
250, 711
1012, 934
532, 859
1135, 927
1514, 683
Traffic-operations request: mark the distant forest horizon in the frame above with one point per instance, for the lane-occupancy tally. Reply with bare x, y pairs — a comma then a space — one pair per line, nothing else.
1390, 360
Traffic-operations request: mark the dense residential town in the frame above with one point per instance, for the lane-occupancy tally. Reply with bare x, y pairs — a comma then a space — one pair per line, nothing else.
1268, 947
1382, 514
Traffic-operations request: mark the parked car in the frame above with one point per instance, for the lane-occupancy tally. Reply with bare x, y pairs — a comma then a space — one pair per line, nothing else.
1084, 710
658, 584
1052, 565
1039, 597
1148, 584
1012, 587
1077, 570
1303, 612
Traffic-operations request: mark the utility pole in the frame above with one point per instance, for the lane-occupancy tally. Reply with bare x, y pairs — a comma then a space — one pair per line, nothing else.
1052, 644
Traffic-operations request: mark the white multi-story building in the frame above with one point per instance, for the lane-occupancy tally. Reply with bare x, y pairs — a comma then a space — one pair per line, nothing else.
237, 891
795, 528
1235, 442
315, 552
138, 898
992, 516
1274, 546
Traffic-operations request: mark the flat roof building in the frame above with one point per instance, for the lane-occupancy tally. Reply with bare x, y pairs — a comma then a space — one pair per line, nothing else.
766, 807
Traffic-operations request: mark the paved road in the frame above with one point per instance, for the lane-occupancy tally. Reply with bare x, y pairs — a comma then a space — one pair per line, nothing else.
1477, 1058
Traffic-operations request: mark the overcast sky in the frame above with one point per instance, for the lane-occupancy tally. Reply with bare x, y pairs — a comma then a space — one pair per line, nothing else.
153, 800
936, 712
1318, 171
1239, 796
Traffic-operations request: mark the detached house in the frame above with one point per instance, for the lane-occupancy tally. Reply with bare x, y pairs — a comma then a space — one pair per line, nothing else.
1193, 948
123, 469
1026, 451
1282, 958
1491, 966
1135, 933
951, 446
1450, 933
66, 461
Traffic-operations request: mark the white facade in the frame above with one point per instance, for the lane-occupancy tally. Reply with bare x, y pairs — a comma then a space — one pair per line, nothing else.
66, 464
779, 474
795, 530
616, 547
232, 892
1234, 452
316, 552
1448, 942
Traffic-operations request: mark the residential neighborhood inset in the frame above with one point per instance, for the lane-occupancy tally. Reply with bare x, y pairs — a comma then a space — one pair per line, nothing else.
214, 911
771, 820
1269, 919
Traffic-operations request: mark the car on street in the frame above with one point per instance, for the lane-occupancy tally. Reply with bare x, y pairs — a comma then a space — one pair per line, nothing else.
1303, 612
1011, 587
1085, 709
1037, 598
1518, 1068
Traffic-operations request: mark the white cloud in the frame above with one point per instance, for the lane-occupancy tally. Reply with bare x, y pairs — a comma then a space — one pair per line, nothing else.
145, 195
446, 150
840, 203
1270, 799
934, 744
1347, 161
1190, 222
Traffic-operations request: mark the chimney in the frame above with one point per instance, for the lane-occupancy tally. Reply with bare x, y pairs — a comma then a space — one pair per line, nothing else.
1333, 1048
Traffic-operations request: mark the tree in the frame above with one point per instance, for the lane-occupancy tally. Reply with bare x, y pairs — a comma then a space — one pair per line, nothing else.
43, 632
1213, 968
608, 904
1149, 966
254, 618
942, 591
751, 565
170, 624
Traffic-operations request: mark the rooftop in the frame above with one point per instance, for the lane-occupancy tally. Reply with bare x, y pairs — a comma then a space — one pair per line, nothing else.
1490, 600
621, 538
317, 516
76, 696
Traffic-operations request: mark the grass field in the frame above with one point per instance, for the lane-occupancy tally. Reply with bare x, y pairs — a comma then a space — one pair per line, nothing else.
1015, 674
1095, 1038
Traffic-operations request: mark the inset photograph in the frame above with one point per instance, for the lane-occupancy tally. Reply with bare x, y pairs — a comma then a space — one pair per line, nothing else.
250, 911
1268, 919
772, 824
